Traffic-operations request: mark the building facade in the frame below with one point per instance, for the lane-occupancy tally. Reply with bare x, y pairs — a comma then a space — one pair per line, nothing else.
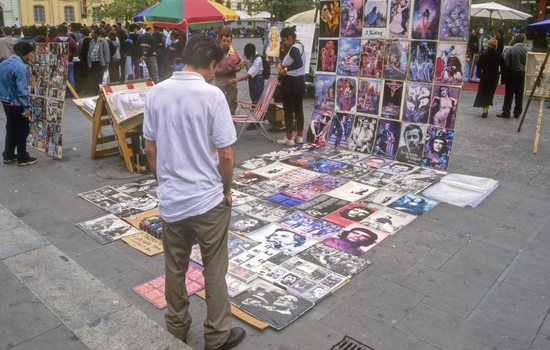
9, 13
54, 12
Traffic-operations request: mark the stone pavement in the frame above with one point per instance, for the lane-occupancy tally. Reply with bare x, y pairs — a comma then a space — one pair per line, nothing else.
454, 279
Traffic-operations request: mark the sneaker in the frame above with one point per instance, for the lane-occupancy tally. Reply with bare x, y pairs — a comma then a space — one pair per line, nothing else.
10, 160
28, 161
285, 142
299, 139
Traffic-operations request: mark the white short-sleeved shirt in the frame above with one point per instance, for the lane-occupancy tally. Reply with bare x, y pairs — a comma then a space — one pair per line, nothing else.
189, 120
256, 66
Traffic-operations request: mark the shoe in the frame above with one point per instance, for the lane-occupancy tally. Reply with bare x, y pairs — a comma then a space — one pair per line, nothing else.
28, 161
516, 116
285, 142
236, 336
504, 115
10, 160
299, 139
484, 115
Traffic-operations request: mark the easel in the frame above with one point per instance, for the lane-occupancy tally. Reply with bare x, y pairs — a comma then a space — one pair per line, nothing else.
538, 81
122, 130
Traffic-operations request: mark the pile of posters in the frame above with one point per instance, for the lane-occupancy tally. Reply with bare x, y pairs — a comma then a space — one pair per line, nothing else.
388, 77
127, 104
48, 82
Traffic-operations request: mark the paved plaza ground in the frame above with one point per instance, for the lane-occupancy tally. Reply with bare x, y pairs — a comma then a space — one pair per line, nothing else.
454, 279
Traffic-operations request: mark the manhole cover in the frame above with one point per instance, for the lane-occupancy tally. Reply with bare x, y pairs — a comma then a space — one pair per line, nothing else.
348, 343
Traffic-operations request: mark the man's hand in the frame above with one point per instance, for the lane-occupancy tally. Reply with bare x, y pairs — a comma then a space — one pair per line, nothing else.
228, 199
26, 114
233, 81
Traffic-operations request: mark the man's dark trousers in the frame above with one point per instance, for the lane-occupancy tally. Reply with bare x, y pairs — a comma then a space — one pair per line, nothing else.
17, 130
514, 88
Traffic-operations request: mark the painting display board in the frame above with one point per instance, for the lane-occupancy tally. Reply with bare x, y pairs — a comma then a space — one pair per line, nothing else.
399, 62
532, 68
48, 83
124, 104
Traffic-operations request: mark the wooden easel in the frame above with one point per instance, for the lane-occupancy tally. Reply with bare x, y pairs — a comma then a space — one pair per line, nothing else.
122, 130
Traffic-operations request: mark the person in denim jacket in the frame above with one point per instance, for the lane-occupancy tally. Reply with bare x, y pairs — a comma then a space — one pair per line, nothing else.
14, 94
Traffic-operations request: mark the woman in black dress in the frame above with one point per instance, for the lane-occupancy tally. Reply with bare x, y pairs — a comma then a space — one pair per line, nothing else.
490, 67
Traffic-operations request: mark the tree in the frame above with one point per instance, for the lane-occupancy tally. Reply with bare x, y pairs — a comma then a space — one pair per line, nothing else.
125, 9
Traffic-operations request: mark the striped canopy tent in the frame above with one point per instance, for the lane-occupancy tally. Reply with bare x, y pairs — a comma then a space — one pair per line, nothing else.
228, 14
185, 14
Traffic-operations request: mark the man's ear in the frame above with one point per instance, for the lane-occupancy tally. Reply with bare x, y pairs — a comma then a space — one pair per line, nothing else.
213, 64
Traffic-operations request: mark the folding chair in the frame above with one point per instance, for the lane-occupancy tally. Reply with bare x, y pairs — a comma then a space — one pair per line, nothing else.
257, 113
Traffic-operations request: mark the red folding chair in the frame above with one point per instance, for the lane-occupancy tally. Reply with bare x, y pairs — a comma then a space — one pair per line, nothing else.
257, 113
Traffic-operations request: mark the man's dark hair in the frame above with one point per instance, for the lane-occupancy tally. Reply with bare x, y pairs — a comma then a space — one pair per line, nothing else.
132, 27
61, 29
16, 31
249, 50
7, 31
52, 32
345, 213
201, 50
227, 33
85, 31
411, 127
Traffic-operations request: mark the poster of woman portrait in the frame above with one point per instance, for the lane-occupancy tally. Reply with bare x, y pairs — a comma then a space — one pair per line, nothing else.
349, 56
346, 94
399, 18
351, 18
272, 48
396, 59
444, 106
437, 148
362, 134
387, 138
449, 64
392, 98
372, 58
328, 55
426, 19
422, 61
340, 129
329, 26
324, 91
368, 96
374, 21
418, 97
454, 20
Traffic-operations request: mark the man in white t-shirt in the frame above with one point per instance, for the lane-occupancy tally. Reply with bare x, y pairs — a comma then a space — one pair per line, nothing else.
189, 136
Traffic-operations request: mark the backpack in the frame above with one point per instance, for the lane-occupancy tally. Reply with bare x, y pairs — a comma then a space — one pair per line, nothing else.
112, 48
266, 67
128, 47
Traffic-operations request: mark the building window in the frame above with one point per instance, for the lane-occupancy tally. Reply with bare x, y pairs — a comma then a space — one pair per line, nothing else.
39, 14
69, 14
96, 14
239, 6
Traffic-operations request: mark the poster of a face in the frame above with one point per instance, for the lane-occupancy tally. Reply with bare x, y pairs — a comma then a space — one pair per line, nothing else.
387, 138
444, 106
368, 96
351, 18
372, 58
349, 56
374, 21
422, 61
454, 20
362, 134
272, 47
411, 143
399, 18
328, 55
437, 148
449, 64
426, 19
340, 129
324, 91
346, 94
417, 102
391, 102
395, 59
329, 26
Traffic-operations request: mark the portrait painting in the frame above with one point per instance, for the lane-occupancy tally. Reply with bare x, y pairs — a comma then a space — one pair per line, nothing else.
437, 148
426, 19
372, 58
329, 24
444, 106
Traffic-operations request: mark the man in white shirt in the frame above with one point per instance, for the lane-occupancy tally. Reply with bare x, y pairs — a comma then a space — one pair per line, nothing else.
189, 136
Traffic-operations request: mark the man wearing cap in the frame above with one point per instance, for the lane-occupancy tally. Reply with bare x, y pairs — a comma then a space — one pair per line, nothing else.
14, 94
514, 59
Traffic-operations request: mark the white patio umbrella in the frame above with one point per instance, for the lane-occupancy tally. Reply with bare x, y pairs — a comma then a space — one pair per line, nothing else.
243, 15
261, 16
303, 17
493, 10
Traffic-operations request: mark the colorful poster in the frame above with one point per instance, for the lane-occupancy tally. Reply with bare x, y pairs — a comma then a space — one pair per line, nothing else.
374, 22
444, 106
368, 96
418, 97
426, 19
319, 126
273, 39
340, 129
349, 56
399, 18
372, 58
391, 101
454, 20
329, 25
328, 55
422, 61
437, 148
351, 18
324, 91
362, 134
449, 64
395, 59
387, 138
346, 94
